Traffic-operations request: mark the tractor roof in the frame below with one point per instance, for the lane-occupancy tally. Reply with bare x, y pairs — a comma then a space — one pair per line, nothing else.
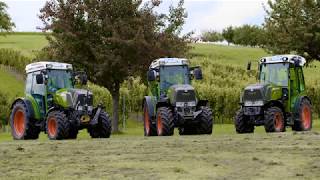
38, 66
168, 62
294, 59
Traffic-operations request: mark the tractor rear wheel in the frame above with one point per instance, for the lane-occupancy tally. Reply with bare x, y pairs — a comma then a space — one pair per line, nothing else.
149, 128
103, 128
274, 120
22, 127
205, 121
57, 126
305, 117
241, 123
165, 124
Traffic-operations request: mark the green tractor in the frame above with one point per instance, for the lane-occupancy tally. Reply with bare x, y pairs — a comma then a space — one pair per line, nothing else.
279, 100
172, 101
52, 104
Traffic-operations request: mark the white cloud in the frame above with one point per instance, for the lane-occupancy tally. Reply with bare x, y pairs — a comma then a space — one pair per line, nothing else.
224, 13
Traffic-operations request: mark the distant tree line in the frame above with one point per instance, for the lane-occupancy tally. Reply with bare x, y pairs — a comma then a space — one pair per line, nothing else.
291, 26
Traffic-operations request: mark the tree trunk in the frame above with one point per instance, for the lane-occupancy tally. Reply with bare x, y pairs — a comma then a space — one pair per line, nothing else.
115, 105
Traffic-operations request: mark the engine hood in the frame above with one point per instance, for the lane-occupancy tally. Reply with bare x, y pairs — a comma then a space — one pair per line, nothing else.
259, 94
181, 93
71, 98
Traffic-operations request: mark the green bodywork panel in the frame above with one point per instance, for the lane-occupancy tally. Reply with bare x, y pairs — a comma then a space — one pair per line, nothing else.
60, 98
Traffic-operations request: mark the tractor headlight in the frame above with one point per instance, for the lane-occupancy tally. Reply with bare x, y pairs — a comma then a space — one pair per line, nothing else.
253, 103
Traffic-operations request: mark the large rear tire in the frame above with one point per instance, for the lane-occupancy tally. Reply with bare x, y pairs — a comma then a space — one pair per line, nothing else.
274, 120
165, 124
241, 123
57, 126
149, 128
305, 117
103, 128
205, 121
22, 126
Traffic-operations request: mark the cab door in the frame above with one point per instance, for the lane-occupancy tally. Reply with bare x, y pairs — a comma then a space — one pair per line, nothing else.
38, 92
294, 87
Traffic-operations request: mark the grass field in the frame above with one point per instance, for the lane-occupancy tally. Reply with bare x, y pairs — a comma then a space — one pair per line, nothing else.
24, 42
129, 155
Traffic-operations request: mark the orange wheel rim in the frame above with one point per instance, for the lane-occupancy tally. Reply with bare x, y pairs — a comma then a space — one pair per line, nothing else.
159, 125
18, 123
278, 121
52, 127
306, 117
146, 121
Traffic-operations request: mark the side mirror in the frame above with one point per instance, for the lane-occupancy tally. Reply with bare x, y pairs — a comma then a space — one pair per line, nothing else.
249, 66
151, 75
80, 77
40, 79
197, 72
84, 79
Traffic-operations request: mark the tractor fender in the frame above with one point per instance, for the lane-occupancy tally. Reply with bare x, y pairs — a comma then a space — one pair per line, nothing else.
202, 103
150, 101
276, 103
28, 105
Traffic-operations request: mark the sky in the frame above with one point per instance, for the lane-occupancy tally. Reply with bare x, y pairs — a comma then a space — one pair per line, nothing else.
203, 15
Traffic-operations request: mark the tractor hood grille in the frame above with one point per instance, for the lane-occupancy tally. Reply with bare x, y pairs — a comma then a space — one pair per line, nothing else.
81, 97
254, 92
182, 93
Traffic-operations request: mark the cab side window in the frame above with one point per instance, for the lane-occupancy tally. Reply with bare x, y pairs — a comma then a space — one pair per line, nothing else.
301, 80
294, 81
29, 83
37, 88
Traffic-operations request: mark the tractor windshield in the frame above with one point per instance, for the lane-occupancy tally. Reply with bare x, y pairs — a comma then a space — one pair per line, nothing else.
59, 79
276, 74
171, 75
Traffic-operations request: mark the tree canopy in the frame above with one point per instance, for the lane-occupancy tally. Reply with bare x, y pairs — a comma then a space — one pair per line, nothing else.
113, 40
5, 21
294, 26
211, 36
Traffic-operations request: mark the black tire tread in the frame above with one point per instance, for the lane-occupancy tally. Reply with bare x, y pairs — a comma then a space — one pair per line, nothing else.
269, 124
32, 131
205, 121
167, 121
63, 125
103, 128
153, 128
242, 126
298, 126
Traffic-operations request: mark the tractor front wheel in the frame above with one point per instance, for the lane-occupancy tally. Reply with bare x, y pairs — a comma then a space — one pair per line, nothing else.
274, 120
22, 127
241, 123
57, 126
103, 128
205, 121
165, 124
305, 117
149, 128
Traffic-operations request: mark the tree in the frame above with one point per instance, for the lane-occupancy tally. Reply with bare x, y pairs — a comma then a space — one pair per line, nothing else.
113, 40
228, 34
5, 21
249, 35
211, 36
293, 26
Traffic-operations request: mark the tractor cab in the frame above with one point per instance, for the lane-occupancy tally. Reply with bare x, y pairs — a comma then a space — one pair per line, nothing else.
280, 92
171, 94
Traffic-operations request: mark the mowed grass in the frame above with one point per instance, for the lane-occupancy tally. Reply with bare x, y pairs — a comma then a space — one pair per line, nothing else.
255, 156
27, 43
